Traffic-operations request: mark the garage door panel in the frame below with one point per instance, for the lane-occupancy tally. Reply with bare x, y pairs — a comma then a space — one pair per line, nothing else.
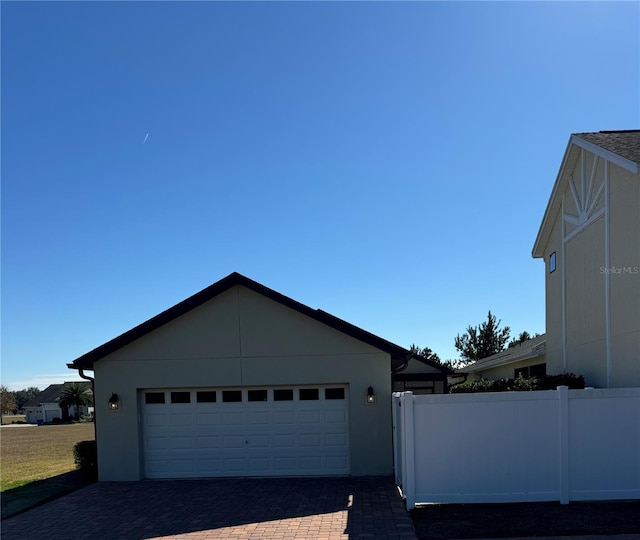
181, 443
284, 441
207, 442
233, 441
207, 419
337, 463
335, 417
157, 443
259, 465
181, 419
258, 441
233, 465
310, 439
336, 440
257, 418
160, 420
232, 418
310, 417
209, 466
284, 417
293, 437
282, 464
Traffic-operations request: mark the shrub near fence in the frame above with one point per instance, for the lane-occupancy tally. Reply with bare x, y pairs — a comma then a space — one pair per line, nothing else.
520, 384
554, 445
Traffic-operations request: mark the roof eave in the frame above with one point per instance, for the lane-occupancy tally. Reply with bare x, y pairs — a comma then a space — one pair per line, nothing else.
398, 354
543, 234
607, 154
508, 360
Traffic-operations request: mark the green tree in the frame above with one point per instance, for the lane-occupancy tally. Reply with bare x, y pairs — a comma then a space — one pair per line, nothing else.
522, 337
25, 395
483, 340
428, 354
76, 395
425, 353
7, 400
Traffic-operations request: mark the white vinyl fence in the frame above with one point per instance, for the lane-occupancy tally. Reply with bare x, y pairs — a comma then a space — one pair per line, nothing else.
556, 445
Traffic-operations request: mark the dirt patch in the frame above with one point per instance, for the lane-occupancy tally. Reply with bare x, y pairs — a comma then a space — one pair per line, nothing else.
462, 521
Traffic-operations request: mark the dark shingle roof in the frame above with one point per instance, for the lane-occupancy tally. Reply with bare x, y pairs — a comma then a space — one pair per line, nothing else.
399, 355
51, 394
625, 144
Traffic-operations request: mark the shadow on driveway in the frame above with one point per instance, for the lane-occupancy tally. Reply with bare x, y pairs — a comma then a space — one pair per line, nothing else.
243, 508
19, 499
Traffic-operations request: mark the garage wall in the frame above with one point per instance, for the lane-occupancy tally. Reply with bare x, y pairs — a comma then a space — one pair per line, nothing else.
241, 338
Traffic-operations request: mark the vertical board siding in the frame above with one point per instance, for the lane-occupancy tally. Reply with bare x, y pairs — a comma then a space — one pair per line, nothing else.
556, 445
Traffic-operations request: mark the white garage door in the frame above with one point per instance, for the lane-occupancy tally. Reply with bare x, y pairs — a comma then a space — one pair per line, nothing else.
278, 431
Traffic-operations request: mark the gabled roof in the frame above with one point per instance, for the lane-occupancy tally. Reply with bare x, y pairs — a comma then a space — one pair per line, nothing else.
619, 147
526, 350
51, 394
399, 355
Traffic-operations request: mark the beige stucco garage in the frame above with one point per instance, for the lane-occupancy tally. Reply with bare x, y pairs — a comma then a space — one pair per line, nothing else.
239, 380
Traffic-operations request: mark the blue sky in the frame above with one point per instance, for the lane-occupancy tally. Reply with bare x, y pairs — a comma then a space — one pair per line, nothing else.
389, 163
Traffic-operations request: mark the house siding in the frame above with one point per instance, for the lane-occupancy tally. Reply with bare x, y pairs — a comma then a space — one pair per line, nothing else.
579, 293
585, 304
241, 338
507, 371
553, 305
624, 282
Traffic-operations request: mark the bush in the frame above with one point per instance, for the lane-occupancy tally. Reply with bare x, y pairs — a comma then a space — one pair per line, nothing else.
521, 384
481, 385
85, 456
573, 381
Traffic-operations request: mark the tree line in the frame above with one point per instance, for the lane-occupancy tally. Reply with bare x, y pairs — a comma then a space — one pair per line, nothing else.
477, 342
12, 401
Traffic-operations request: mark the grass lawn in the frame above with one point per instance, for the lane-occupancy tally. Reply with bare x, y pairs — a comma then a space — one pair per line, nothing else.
34, 453
37, 463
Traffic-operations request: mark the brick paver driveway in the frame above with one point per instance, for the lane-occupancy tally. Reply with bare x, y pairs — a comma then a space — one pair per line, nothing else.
265, 509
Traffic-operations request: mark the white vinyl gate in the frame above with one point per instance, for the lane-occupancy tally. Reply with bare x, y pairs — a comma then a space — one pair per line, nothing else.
557, 445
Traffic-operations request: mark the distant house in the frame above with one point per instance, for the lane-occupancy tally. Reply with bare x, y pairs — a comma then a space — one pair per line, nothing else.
590, 241
45, 407
527, 359
422, 376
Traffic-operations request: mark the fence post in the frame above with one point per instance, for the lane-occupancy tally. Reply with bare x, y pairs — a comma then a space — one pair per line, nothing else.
563, 409
397, 434
408, 451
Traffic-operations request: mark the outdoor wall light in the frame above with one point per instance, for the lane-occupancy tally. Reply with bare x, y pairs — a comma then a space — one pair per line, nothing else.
114, 402
371, 397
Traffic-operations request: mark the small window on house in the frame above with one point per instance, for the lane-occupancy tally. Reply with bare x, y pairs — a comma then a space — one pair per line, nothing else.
552, 262
154, 398
334, 393
309, 394
257, 395
231, 396
283, 395
208, 396
537, 370
180, 397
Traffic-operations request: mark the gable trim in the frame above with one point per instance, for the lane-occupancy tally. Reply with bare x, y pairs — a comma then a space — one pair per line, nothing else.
606, 154
554, 204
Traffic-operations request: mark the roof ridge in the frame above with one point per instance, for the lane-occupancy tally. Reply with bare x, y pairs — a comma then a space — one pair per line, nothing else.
398, 354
